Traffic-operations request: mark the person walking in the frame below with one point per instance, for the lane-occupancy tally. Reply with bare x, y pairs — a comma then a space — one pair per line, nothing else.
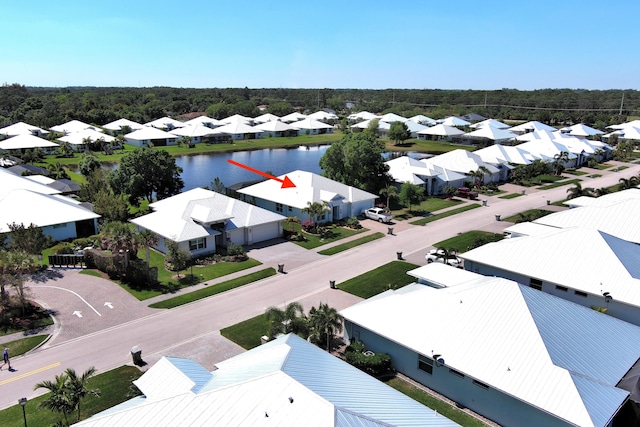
5, 358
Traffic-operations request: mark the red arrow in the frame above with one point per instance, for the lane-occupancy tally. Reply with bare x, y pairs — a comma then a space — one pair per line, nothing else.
286, 182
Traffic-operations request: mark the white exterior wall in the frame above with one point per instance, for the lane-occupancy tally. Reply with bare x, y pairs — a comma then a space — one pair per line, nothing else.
491, 403
618, 309
211, 246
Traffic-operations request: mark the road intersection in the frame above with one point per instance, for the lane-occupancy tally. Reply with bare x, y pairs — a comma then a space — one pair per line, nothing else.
104, 336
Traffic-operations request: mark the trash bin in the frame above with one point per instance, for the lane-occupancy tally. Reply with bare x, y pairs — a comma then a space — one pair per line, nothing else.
136, 355
497, 217
524, 192
332, 284
548, 202
280, 268
399, 254
390, 230
484, 202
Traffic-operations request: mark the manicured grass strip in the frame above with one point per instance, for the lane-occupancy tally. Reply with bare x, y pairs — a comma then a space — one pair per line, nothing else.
464, 241
247, 334
510, 196
603, 166
527, 216
313, 241
91, 272
443, 408
445, 214
575, 172
21, 346
351, 244
389, 276
559, 184
214, 289
114, 388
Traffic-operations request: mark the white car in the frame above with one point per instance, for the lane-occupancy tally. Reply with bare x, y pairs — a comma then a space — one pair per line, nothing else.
438, 255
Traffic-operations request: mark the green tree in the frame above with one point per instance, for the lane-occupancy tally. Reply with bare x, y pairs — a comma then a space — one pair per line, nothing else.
77, 387
324, 323
144, 172
390, 192
449, 191
65, 150
289, 320
280, 108
118, 236
218, 186
627, 183
398, 132
112, 207
411, 194
57, 171
89, 163
14, 265
31, 239
357, 160
559, 160
315, 210
177, 257
58, 399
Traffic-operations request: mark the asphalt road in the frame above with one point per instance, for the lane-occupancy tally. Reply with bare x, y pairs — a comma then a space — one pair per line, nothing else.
196, 325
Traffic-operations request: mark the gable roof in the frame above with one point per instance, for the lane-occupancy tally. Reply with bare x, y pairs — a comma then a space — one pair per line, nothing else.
489, 122
293, 117
237, 127
193, 130
407, 169
203, 120
454, 121
274, 126
120, 123
310, 123
21, 128
149, 133
310, 187
274, 383
483, 326
164, 123
392, 117
74, 126
532, 126
264, 118
492, 133
498, 153
24, 141
545, 257
581, 130
441, 130
77, 138
459, 160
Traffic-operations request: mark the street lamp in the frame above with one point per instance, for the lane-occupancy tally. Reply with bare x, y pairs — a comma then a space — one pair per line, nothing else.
23, 402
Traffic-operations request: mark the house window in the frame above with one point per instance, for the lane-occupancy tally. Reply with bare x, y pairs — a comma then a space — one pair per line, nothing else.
479, 384
580, 293
535, 284
59, 225
456, 373
425, 364
278, 207
290, 209
196, 244
562, 288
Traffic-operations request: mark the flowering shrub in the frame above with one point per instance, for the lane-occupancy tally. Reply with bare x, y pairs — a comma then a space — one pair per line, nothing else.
308, 225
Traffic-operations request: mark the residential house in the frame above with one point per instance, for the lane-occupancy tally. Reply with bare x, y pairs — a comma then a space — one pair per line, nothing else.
19, 143
285, 382
74, 126
165, 123
150, 135
201, 221
342, 201
22, 128
116, 127
515, 355
310, 126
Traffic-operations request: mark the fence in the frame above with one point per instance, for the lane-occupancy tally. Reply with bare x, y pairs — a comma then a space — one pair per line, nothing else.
67, 260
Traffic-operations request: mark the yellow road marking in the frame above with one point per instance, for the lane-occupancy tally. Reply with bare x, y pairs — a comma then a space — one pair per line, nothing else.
26, 374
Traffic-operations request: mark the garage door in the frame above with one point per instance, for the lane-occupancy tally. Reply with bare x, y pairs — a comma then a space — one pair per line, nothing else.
264, 232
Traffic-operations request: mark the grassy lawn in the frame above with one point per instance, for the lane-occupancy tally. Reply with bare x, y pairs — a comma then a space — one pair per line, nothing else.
595, 175
436, 217
313, 241
543, 179
559, 184
426, 399
351, 244
602, 166
92, 272
114, 388
463, 242
432, 204
529, 215
423, 146
575, 172
214, 289
389, 276
620, 168
247, 334
510, 196
21, 346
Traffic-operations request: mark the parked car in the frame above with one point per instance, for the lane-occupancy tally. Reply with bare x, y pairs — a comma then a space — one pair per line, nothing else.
439, 255
467, 193
377, 214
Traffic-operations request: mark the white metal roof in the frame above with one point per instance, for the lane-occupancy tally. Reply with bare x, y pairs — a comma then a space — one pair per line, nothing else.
264, 118
322, 116
164, 122
203, 120
498, 153
74, 126
606, 199
441, 130
310, 123
286, 382
362, 115
407, 169
293, 117
77, 138
274, 126
193, 130
461, 161
236, 128
237, 118
308, 188
492, 133
120, 123
28, 207
454, 121
21, 128
10, 181
581, 130
545, 257
392, 117
514, 339
489, 122
422, 119
24, 141
532, 126
149, 133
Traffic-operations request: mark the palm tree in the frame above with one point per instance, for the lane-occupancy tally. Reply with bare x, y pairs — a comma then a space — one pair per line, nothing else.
446, 254
118, 236
314, 210
324, 323
559, 160
602, 191
146, 238
627, 183
13, 267
289, 320
58, 399
477, 176
77, 386
390, 192
577, 191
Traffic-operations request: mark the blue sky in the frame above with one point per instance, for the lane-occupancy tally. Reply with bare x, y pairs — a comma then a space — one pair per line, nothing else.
417, 44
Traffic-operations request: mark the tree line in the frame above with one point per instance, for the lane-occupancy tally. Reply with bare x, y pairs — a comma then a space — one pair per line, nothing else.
47, 107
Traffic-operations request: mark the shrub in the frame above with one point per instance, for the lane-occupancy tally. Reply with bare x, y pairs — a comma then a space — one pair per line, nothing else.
233, 250
373, 364
64, 248
308, 225
354, 223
